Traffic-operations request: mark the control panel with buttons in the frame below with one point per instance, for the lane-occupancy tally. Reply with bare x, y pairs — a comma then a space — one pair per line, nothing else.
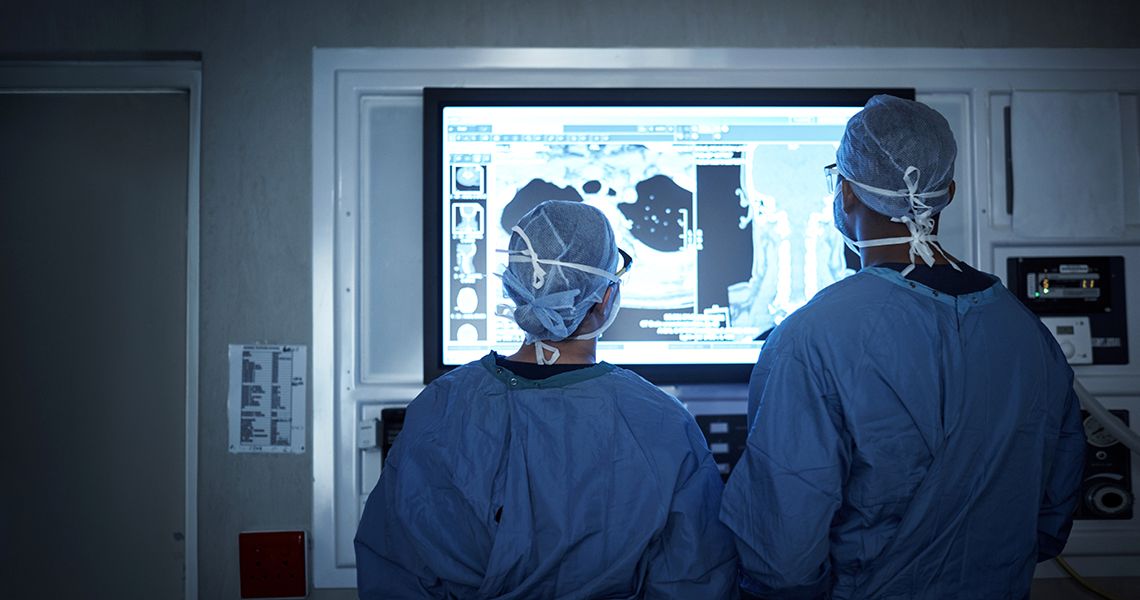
1074, 336
1081, 299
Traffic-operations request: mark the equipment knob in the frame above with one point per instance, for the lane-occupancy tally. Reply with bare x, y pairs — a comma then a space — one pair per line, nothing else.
1108, 500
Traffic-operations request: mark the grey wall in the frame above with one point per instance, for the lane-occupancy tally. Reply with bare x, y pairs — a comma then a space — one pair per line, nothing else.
256, 155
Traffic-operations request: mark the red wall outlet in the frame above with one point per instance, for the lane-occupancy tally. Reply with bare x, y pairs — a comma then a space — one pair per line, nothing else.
272, 564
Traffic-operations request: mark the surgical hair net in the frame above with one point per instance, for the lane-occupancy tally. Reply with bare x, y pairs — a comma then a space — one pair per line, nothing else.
888, 137
552, 300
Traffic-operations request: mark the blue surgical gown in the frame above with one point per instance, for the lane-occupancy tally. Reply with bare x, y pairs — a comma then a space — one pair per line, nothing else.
587, 484
905, 444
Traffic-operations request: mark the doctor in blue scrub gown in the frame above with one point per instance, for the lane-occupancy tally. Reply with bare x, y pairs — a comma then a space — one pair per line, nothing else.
915, 433
545, 474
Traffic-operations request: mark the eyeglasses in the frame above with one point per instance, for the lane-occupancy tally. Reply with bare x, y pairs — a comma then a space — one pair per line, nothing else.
831, 174
626, 263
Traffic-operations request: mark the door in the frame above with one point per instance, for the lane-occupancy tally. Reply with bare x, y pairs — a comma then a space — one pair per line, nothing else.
93, 269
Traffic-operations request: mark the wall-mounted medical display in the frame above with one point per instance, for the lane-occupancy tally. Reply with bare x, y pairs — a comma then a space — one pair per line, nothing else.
1082, 301
718, 196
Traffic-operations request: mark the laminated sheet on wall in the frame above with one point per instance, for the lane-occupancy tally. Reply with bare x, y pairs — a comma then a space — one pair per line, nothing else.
1067, 164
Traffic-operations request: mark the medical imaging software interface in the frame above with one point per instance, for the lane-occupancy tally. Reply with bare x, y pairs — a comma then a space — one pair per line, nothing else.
724, 210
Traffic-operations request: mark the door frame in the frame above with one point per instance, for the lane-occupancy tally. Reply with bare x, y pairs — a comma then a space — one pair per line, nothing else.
145, 77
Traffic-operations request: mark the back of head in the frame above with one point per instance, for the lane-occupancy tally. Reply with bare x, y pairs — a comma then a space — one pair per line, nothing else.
893, 144
551, 300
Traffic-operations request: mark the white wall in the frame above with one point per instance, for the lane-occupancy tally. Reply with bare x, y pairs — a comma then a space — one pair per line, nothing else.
256, 147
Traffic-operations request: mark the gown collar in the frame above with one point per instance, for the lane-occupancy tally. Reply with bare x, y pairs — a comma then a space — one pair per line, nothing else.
962, 302
554, 381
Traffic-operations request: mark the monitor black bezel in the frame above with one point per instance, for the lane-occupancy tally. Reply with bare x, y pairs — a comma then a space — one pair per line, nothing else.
436, 99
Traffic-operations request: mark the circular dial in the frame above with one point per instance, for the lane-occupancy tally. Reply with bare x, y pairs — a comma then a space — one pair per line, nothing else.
1097, 435
1109, 500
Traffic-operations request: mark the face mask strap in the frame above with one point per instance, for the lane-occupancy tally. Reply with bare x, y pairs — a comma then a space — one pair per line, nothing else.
539, 274
908, 192
615, 306
540, 350
557, 263
919, 222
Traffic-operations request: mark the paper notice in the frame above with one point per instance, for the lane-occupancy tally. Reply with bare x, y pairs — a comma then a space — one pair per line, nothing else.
266, 398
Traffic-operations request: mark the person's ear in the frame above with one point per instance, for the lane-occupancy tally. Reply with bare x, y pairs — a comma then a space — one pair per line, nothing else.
952, 189
606, 297
850, 200
598, 310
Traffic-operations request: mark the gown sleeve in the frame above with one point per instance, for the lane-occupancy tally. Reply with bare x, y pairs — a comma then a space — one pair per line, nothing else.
1055, 519
788, 484
387, 563
697, 558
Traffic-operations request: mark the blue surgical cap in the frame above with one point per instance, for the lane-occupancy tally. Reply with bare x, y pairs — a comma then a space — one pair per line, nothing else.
884, 140
566, 232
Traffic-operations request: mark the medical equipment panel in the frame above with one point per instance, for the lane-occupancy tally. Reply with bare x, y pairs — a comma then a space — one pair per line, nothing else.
391, 424
1106, 492
1082, 301
727, 436
721, 414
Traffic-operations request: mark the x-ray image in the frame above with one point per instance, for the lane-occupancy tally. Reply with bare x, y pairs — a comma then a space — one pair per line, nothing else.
467, 221
795, 250
468, 278
468, 180
647, 197
722, 251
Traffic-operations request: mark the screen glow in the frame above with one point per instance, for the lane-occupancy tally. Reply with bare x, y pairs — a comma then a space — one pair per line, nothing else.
725, 211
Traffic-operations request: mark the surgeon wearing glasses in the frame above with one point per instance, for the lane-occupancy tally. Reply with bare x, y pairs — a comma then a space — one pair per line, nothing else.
914, 430
547, 474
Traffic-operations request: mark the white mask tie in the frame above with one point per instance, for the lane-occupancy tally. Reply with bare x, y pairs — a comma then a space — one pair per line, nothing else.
540, 350
920, 222
615, 306
539, 276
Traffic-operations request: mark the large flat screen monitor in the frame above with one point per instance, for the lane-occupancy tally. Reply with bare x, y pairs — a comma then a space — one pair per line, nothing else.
718, 195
